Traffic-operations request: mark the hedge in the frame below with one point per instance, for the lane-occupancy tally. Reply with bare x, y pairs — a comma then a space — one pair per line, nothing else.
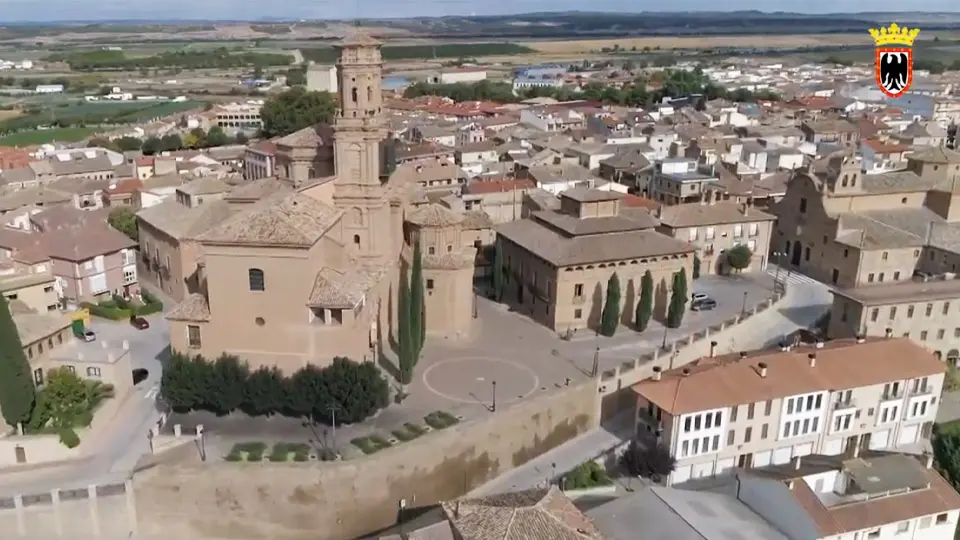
107, 312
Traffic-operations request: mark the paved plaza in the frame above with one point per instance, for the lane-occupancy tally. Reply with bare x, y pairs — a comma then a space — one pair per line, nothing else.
509, 358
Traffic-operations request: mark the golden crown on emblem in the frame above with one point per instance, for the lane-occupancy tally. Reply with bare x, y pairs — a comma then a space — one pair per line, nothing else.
894, 35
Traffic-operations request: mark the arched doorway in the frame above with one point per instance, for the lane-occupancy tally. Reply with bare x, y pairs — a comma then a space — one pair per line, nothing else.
796, 254
953, 355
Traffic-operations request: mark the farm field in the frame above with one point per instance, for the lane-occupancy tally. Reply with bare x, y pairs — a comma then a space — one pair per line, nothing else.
704, 42
43, 136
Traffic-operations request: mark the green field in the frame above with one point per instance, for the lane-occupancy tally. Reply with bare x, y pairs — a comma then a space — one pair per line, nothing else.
416, 52
43, 136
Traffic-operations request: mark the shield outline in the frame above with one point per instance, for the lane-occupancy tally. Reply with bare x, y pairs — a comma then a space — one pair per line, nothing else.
876, 65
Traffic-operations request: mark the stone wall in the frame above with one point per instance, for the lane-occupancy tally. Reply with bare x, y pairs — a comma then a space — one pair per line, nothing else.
101, 512
334, 501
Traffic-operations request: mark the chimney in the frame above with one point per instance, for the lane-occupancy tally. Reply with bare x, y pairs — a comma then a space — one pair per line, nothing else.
929, 460
888, 333
657, 373
813, 359
861, 339
685, 371
819, 344
743, 354
796, 464
713, 349
746, 209
763, 369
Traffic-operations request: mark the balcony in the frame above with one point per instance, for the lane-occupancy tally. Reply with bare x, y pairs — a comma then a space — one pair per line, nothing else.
579, 300
924, 390
892, 395
845, 405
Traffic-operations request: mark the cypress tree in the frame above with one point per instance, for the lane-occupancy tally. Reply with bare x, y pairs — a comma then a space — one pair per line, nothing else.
418, 327
610, 317
404, 356
17, 393
645, 306
678, 299
498, 272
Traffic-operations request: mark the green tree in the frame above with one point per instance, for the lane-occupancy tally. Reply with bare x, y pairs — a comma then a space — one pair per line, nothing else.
183, 383
152, 145
241, 138
264, 392
678, 300
171, 142
418, 330
498, 272
227, 384
696, 267
128, 144
295, 109
307, 391
610, 317
946, 452
65, 396
738, 257
17, 393
216, 137
356, 391
123, 219
404, 337
645, 305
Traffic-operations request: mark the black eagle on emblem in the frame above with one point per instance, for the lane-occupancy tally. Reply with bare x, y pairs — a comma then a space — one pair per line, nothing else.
894, 71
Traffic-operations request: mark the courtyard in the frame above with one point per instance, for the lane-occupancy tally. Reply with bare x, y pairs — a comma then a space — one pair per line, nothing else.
509, 358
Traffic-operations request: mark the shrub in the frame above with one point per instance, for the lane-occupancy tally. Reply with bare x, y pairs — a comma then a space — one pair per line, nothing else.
587, 475
649, 462
405, 434
414, 428
105, 312
281, 451
738, 257
68, 437
366, 445
440, 419
149, 309
120, 302
234, 456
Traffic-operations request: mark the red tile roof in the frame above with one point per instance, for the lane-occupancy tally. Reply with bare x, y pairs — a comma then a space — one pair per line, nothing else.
884, 148
634, 201
127, 185
499, 186
145, 161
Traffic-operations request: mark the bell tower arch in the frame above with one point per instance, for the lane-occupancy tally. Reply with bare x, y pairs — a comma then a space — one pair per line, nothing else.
359, 129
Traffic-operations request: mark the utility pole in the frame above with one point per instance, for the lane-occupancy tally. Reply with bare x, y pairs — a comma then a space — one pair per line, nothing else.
596, 362
333, 407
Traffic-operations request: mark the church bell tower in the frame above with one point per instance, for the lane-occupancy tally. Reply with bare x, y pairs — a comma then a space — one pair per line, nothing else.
359, 130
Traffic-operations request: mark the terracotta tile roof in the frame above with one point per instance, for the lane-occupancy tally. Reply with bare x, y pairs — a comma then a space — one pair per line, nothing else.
126, 186
344, 290
635, 201
535, 514
724, 381
286, 219
697, 215
265, 147
481, 187
193, 308
434, 216
145, 161
880, 147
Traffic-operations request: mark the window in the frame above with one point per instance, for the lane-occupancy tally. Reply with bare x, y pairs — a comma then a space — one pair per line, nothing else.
71, 369
193, 336
733, 413
750, 411
910, 312
431, 250
260, 321
941, 519
768, 408
356, 239
93, 372
803, 205
884, 256
946, 308
686, 424
893, 313
896, 275
578, 314
764, 429
738, 230
940, 333
693, 234
874, 314
874, 533
429, 284
731, 437
929, 310
578, 290
255, 277
869, 278
923, 335
747, 434
353, 94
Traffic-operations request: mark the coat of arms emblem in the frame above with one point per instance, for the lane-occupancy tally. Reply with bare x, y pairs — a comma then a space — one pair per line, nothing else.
894, 58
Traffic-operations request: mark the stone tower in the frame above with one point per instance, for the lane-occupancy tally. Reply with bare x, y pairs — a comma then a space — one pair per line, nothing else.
359, 130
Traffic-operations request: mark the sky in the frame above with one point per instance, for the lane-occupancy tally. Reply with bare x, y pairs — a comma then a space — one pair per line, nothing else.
153, 10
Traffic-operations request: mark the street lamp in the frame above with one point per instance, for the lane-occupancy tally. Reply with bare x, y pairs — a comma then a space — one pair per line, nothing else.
743, 309
333, 408
664, 344
475, 314
779, 256
493, 407
203, 448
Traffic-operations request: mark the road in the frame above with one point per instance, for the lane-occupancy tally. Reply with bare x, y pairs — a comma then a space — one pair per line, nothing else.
114, 454
805, 302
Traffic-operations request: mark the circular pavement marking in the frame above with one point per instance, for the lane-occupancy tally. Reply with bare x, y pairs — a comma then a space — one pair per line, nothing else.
473, 377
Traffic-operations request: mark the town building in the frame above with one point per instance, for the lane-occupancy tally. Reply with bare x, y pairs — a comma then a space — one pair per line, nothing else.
558, 263
843, 227
327, 235
716, 226
238, 117
678, 181
756, 408
259, 160
35, 288
873, 495
321, 78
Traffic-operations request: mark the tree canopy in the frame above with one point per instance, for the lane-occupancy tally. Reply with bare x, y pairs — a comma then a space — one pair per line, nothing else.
17, 393
350, 390
738, 257
610, 316
295, 109
123, 219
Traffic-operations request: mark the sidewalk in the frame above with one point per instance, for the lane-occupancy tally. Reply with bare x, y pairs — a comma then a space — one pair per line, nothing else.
558, 461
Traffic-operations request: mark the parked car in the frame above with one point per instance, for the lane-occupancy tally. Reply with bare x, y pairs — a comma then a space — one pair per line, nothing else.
139, 322
88, 336
703, 304
140, 375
